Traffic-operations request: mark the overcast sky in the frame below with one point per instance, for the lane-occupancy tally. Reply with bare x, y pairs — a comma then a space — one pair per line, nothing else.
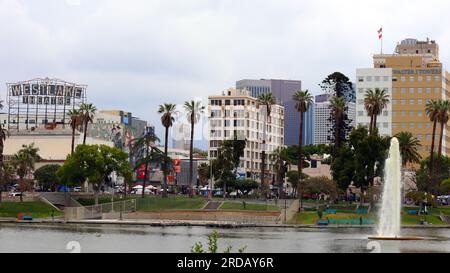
137, 54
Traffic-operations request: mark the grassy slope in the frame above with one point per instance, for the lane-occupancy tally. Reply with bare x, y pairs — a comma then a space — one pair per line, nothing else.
171, 203
432, 218
36, 209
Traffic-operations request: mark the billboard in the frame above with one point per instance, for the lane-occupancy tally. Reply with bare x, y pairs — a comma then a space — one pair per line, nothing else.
40, 102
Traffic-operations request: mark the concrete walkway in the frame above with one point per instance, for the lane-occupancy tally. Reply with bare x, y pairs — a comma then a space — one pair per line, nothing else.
213, 205
218, 224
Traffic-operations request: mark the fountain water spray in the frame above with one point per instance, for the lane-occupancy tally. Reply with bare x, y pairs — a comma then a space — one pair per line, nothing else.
390, 214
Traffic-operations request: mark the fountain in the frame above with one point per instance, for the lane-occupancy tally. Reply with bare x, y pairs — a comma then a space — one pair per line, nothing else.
390, 214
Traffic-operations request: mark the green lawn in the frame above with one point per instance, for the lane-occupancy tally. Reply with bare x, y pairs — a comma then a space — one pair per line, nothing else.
36, 209
103, 200
251, 207
171, 203
310, 218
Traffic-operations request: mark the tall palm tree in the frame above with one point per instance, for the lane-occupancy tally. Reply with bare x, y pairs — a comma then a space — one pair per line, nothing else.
145, 150
375, 101
267, 100
432, 109
280, 160
24, 162
409, 146
443, 117
167, 119
194, 109
338, 108
76, 120
88, 111
303, 100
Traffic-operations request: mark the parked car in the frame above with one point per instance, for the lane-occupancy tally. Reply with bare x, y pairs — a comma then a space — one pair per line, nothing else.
77, 189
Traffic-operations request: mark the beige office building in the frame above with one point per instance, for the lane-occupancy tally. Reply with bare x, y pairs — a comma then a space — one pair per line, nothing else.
411, 76
235, 112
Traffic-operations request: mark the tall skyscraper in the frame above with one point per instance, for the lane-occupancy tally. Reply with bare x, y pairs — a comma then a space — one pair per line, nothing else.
411, 76
283, 90
322, 114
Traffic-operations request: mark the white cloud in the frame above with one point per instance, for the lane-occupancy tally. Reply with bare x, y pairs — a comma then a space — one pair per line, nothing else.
137, 54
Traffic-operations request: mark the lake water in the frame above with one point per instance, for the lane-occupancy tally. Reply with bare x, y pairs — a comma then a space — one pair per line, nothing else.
142, 239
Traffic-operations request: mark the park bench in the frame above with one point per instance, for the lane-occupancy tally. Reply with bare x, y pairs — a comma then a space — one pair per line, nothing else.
322, 222
362, 211
343, 222
413, 212
27, 218
331, 211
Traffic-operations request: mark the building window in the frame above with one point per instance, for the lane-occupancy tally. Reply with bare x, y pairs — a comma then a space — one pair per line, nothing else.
411, 79
411, 90
428, 90
419, 90
411, 102
360, 79
403, 79
403, 90
428, 78
420, 79
419, 102
420, 113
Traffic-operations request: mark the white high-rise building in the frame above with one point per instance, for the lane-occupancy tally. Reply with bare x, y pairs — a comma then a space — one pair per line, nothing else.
322, 123
236, 113
374, 78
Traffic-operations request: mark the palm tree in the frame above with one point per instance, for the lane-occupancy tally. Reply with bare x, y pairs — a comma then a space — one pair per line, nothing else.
194, 109
443, 117
75, 121
144, 149
24, 162
432, 109
266, 100
88, 111
338, 108
409, 146
167, 119
280, 160
303, 100
375, 101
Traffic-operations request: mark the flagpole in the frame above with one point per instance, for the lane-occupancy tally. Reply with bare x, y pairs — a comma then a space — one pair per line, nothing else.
382, 37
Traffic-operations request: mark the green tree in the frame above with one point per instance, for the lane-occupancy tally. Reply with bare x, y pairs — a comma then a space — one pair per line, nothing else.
76, 120
46, 176
370, 152
267, 100
24, 162
303, 100
343, 167
87, 111
95, 163
432, 109
321, 185
339, 85
194, 110
8, 176
167, 112
204, 173
375, 101
228, 160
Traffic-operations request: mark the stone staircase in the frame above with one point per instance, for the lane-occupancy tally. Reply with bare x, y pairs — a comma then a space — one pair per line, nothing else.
213, 205
59, 200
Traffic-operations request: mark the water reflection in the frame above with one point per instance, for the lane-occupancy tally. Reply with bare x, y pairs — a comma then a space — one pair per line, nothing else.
146, 239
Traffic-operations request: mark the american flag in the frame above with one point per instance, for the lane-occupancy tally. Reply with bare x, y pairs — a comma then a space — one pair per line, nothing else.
380, 33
